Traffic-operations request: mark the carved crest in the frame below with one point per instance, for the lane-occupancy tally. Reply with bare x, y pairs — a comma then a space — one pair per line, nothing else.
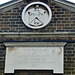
36, 17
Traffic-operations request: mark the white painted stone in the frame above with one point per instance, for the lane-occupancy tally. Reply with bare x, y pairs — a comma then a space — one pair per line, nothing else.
35, 57
36, 15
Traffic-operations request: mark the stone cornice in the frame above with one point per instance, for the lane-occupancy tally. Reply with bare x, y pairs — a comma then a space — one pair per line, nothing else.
11, 5
34, 44
20, 2
66, 5
37, 34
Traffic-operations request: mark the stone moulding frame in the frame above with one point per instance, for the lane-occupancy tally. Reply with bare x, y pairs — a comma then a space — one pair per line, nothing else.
26, 9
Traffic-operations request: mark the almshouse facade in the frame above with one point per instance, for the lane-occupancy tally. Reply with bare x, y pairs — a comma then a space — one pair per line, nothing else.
60, 29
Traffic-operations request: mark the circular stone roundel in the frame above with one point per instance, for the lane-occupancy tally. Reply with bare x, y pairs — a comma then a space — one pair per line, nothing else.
36, 15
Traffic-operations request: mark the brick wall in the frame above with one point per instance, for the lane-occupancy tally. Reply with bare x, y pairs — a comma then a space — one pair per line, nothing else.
63, 20
69, 56
2, 58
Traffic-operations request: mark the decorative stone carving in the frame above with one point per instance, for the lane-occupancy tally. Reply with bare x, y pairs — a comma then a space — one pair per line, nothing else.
36, 15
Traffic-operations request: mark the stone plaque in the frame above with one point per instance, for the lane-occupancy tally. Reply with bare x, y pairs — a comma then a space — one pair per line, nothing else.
34, 57
36, 15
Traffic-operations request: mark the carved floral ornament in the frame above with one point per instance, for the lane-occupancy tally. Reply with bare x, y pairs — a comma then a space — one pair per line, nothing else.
36, 15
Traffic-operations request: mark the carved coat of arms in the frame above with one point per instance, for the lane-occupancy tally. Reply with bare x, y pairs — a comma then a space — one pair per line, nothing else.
36, 15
